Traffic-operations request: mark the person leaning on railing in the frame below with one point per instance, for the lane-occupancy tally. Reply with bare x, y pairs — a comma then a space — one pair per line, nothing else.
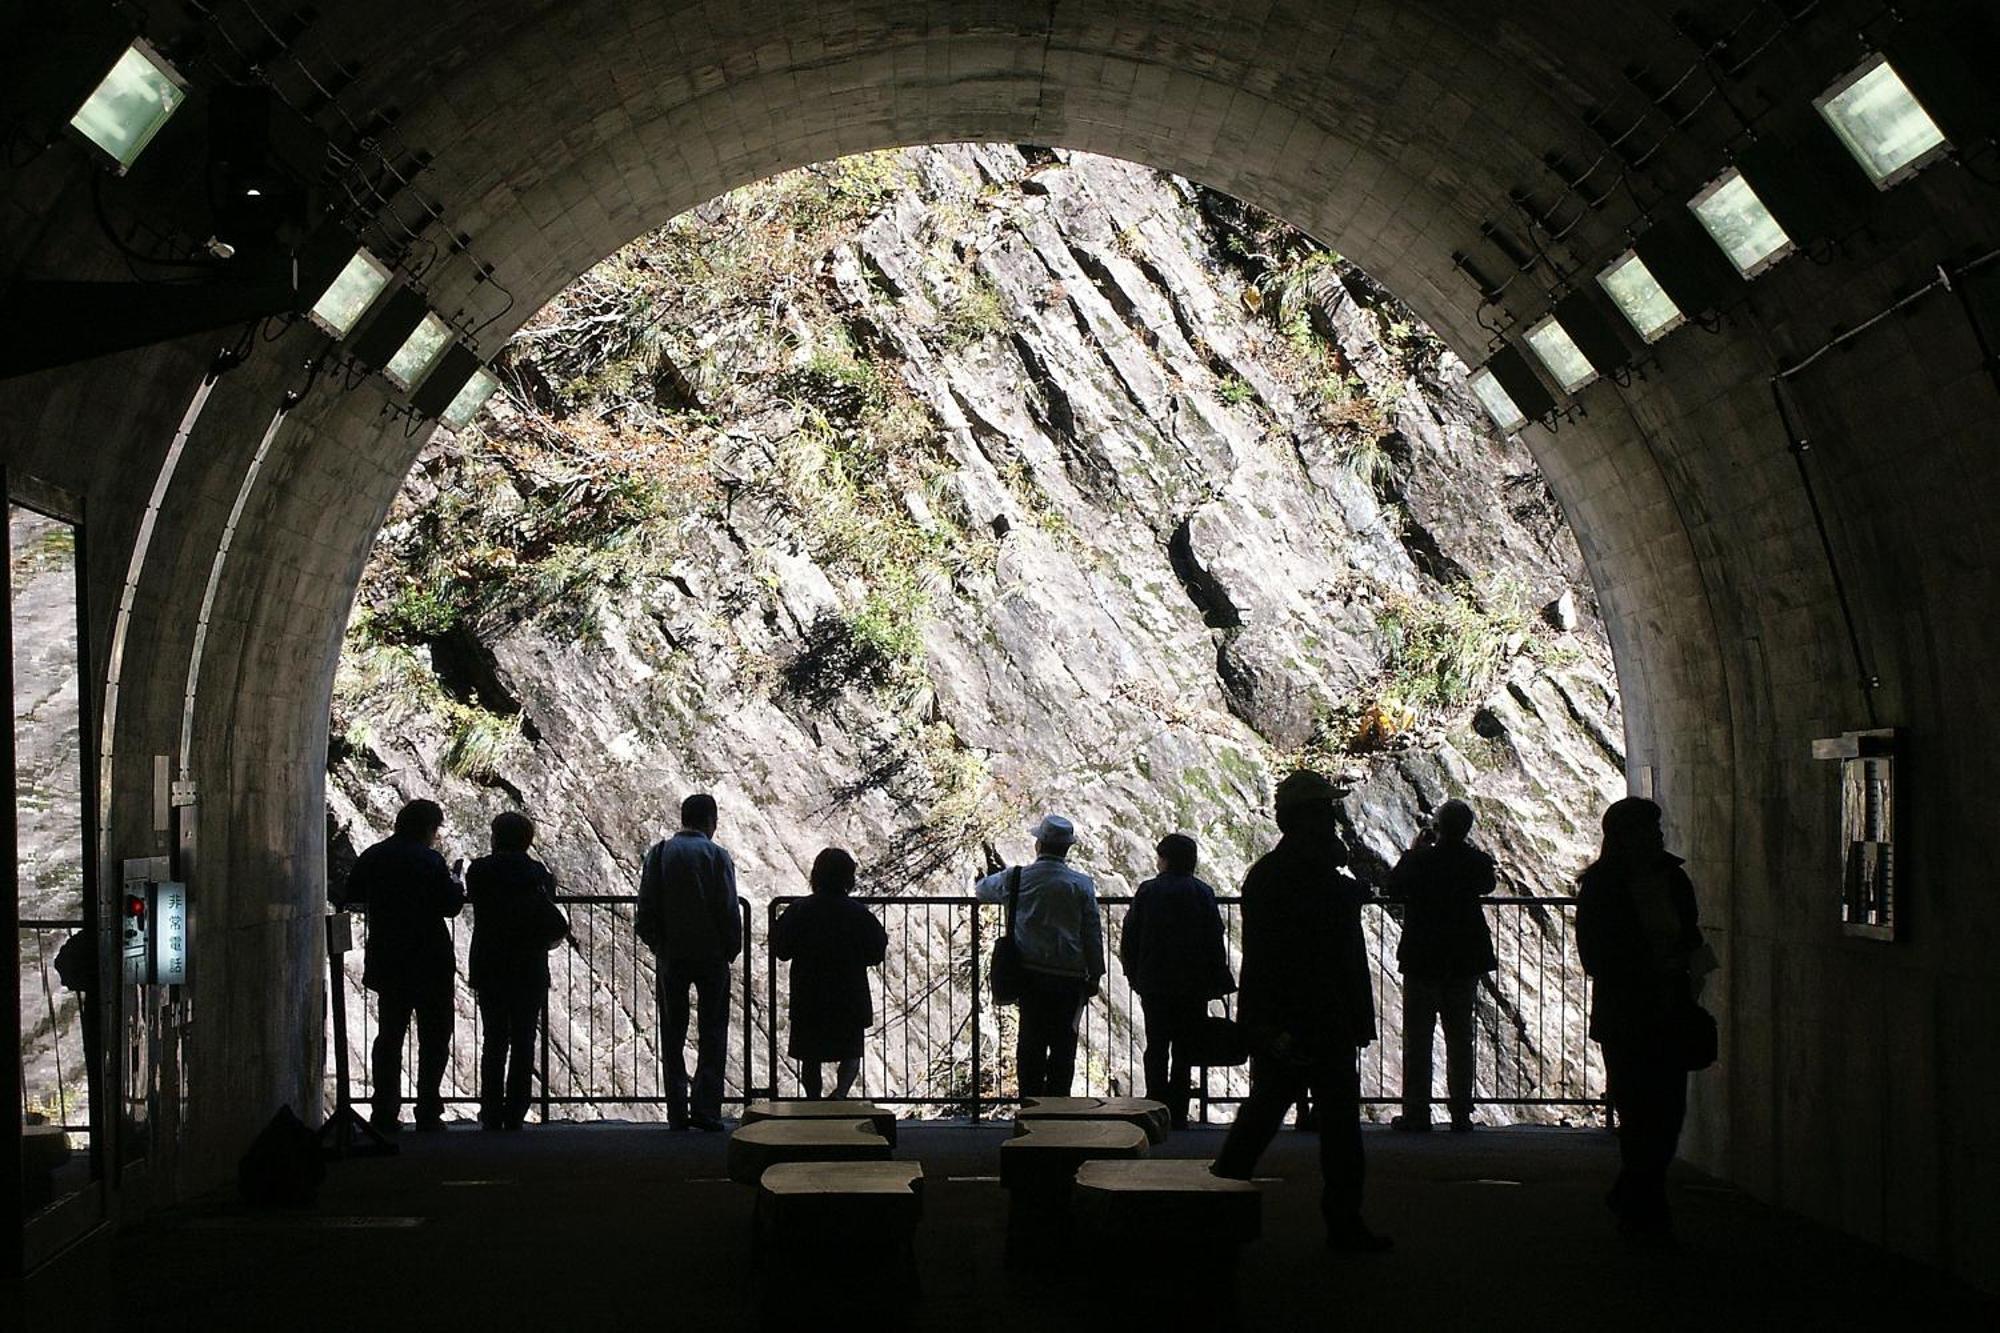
1060, 934
831, 941
407, 892
687, 915
1446, 947
1177, 960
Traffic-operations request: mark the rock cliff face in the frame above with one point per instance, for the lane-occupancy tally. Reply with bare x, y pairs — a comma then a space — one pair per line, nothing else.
903, 499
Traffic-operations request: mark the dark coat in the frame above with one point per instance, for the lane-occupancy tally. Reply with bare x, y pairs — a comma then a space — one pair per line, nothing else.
831, 941
1445, 934
1172, 943
1305, 960
515, 922
404, 887
1633, 995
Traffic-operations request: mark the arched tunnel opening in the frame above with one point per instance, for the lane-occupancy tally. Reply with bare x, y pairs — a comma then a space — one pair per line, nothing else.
903, 497
1779, 481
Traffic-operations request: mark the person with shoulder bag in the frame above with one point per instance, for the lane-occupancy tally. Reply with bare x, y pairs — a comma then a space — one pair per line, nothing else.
1177, 959
1056, 934
1639, 936
515, 922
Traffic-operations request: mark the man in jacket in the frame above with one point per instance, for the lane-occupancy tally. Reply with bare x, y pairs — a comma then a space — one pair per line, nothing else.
1307, 1004
1445, 949
1061, 938
689, 918
1176, 958
407, 892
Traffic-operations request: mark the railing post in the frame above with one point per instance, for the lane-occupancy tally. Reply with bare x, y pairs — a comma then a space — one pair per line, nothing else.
978, 1062
749, 990
545, 1057
771, 995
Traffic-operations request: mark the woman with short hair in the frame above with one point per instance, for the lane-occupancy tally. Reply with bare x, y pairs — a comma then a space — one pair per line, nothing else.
831, 941
515, 922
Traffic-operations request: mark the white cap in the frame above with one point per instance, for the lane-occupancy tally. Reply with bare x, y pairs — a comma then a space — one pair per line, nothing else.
1055, 831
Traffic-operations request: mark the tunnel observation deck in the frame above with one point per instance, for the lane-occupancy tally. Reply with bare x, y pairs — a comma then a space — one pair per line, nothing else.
939, 1047
624, 1226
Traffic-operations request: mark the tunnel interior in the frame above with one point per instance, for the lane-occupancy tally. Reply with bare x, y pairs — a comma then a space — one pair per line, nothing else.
1784, 504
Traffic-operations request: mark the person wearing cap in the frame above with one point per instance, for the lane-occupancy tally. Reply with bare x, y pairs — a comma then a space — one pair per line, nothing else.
1061, 938
1306, 1005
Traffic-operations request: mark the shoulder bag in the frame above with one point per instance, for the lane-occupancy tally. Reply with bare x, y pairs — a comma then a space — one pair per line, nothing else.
1007, 976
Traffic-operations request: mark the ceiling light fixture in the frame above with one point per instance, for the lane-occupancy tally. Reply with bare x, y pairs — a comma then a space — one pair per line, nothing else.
1558, 351
1737, 220
130, 105
1499, 404
1880, 120
350, 294
1640, 297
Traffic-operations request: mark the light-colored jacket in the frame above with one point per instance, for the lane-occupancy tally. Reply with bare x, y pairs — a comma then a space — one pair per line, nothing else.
1057, 927
687, 901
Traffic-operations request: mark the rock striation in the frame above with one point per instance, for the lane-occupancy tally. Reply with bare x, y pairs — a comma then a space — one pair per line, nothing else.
903, 499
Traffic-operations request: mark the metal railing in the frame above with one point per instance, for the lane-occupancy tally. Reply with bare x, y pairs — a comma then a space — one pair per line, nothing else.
939, 1045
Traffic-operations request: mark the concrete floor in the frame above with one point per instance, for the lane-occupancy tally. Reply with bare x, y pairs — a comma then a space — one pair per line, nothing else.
621, 1226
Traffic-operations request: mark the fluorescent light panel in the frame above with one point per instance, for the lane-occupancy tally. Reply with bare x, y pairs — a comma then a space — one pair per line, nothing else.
1737, 220
347, 298
125, 111
418, 353
1558, 351
1880, 120
1498, 403
466, 404
1640, 298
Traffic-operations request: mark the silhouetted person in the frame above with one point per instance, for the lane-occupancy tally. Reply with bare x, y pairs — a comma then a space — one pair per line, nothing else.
1061, 938
403, 885
515, 922
1307, 1005
1637, 930
831, 941
689, 918
1446, 947
1176, 958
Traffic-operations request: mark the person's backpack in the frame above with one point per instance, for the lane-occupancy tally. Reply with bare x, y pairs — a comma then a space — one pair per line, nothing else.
1215, 1043
1007, 977
284, 1166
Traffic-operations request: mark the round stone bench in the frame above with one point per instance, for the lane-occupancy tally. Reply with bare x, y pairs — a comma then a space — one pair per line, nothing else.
882, 1121
1150, 1117
1038, 1167
840, 1204
1166, 1198
754, 1149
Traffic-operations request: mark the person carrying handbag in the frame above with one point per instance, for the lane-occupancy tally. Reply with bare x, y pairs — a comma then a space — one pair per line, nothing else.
1058, 933
1638, 934
1176, 958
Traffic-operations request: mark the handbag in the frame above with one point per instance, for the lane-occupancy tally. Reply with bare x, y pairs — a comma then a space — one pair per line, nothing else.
1216, 1042
1696, 1040
1007, 975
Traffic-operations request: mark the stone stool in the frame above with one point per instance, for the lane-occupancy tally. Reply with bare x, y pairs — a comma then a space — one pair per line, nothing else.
1151, 1117
836, 1241
755, 1148
1166, 1234
882, 1121
1038, 1166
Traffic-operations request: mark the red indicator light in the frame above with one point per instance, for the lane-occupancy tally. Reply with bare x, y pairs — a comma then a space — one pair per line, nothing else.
135, 906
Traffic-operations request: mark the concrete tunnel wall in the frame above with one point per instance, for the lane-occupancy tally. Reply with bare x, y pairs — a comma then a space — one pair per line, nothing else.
1856, 1084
